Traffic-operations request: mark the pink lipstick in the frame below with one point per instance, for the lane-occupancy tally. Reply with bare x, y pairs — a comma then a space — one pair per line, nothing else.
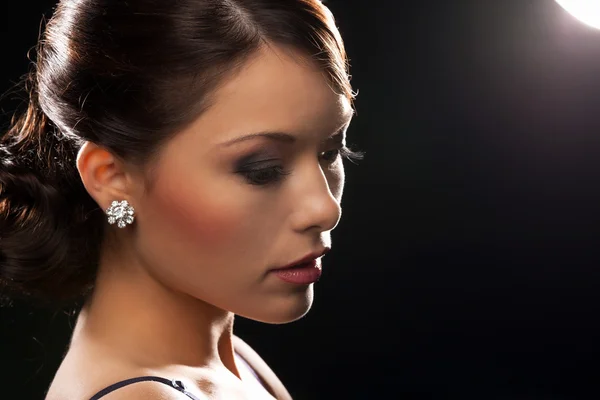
302, 272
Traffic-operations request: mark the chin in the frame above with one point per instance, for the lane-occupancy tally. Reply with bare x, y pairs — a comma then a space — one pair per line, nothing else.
283, 309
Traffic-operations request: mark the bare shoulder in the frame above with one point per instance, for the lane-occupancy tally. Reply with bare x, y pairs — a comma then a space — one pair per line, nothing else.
142, 390
262, 368
148, 390
251, 356
245, 350
83, 374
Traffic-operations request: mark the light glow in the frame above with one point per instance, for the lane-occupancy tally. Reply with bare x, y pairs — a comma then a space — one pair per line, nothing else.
586, 11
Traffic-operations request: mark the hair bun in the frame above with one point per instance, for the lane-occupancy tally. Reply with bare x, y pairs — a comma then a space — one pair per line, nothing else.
20, 184
41, 225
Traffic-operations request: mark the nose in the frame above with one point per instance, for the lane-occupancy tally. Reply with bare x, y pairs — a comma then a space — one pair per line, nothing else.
317, 202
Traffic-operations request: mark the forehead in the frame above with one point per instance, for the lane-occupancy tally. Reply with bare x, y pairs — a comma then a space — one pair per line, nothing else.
275, 90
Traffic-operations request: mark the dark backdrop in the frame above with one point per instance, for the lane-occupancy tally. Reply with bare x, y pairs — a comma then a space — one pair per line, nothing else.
466, 264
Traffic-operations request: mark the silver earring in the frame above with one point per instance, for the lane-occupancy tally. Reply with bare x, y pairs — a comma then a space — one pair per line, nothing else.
121, 213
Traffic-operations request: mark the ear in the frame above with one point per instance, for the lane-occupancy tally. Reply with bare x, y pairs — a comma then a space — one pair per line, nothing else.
103, 175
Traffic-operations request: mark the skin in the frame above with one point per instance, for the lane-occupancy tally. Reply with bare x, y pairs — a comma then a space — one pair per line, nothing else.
205, 238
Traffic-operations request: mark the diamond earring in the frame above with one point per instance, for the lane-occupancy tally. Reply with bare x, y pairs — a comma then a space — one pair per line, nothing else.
121, 213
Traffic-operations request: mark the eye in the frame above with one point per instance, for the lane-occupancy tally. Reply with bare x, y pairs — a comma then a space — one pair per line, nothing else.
331, 156
264, 176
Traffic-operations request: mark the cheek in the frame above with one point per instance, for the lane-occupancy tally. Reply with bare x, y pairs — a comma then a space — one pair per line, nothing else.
193, 217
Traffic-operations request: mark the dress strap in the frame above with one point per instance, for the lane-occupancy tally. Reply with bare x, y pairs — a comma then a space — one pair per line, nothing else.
175, 384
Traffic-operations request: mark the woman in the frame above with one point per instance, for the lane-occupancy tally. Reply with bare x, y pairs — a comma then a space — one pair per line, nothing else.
179, 163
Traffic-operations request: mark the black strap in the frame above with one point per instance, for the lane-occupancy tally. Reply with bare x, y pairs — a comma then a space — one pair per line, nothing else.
178, 385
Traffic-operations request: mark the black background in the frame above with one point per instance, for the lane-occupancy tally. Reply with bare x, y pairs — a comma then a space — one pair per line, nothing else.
466, 263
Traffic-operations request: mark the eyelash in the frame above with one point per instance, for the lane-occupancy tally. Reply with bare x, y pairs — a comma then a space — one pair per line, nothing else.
274, 174
346, 154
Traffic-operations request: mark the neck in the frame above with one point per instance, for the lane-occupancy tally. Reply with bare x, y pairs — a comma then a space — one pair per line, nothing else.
134, 316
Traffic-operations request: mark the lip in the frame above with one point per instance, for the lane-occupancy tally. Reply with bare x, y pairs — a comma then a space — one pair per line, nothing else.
303, 274
306, 259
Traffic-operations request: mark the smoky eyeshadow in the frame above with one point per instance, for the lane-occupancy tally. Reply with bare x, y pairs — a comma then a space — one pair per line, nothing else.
257, 159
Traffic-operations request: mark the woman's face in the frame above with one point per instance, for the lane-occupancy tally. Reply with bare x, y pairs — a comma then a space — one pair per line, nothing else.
225, 208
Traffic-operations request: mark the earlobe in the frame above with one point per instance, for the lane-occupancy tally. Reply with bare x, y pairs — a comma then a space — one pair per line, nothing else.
102, 174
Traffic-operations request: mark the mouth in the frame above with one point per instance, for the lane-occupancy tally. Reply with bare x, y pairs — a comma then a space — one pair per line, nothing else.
304, 271
306, 261
300, 274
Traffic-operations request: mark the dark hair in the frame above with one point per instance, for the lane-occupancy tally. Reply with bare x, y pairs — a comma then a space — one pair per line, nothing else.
125, 75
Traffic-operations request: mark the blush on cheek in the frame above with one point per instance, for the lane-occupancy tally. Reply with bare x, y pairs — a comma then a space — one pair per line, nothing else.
201, 219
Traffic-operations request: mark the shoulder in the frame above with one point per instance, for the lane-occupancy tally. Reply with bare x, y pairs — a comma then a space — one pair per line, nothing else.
250, 355
261, 368
143, 390
83, 374
148, 390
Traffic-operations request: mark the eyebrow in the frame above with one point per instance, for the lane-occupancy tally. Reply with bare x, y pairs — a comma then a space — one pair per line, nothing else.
284, 137
275, 136
280, 137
